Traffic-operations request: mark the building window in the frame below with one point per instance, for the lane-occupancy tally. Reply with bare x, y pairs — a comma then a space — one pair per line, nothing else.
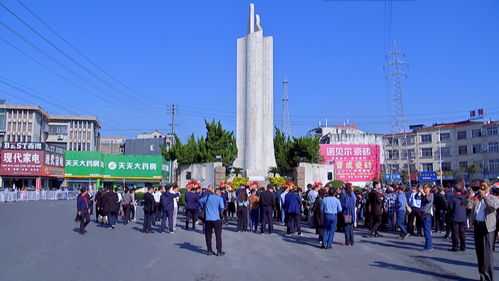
28, 138
445, 151
493, 147
392, 154
463, 165
410, 140
393, 141
462, 149
477, 148
425, 138
426, 153
427, 167
494, 165
444, 136
491, 131
446, 166
461, 135
30, 127
476, 133
394, 168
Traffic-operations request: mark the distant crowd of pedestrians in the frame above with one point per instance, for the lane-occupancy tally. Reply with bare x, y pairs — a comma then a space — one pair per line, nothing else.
408, 210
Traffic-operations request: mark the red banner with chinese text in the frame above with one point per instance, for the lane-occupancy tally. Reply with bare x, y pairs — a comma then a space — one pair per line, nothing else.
353, 162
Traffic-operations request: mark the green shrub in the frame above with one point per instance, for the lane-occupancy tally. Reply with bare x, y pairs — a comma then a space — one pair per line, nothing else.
337, 183
237, 181
277, 181
139, 196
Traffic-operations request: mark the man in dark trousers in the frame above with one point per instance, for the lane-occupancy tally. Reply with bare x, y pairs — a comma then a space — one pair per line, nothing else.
267, 205
82, 206
375, 207
483, 212
457, 213
292, 209
191, 207
167, 206
212, 205
148, 210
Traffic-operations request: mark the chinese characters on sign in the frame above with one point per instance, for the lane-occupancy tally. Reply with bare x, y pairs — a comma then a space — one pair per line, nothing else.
353, 162
22, 146
31, 163
477, 114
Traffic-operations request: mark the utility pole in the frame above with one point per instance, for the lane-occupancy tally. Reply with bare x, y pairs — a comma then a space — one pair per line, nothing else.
285, 126
398, 118
172, 111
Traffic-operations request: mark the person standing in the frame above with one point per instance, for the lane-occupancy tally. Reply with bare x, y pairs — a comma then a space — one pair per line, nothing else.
231, 203
440, 210
427, 213
157, 205
415, 204
375, 207
483, 214
267, 205
348, 206
292, 209
111, 207
167, 202
225, 213
127, 204
254, 205
318, 215
83, 211
330, 207
191, 207
457, 213
389, 205
149, 207
213, 205
174, 190
242, 212
99, 206
401, 209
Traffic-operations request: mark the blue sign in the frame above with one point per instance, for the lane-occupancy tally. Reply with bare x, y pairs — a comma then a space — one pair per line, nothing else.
428, 176
393, 177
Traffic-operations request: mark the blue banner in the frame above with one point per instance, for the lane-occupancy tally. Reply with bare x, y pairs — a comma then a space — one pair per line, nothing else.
428, 176
393, 177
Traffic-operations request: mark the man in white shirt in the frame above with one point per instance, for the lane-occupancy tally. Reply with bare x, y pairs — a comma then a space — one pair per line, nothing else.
157, 205
175, 205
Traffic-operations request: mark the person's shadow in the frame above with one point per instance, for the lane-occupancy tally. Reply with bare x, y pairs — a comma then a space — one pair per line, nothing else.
190, 247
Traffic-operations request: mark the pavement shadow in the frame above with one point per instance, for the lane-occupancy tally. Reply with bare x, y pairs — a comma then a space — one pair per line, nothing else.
390, 245
455, 262
444, 276
190, 247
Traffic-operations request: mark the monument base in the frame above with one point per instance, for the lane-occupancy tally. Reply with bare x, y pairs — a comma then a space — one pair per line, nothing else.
256, 178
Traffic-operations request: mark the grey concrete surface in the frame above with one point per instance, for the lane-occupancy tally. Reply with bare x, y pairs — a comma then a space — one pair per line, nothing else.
38, 241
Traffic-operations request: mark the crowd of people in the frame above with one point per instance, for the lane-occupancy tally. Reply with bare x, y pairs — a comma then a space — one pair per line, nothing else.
409, 210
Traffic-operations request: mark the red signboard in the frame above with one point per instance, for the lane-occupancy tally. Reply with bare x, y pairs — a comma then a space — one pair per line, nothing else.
31, 163
353, 162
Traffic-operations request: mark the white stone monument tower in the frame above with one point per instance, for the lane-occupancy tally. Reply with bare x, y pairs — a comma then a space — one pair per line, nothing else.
255, 101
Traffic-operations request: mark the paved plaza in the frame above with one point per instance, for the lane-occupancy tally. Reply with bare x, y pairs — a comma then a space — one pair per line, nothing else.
39, 241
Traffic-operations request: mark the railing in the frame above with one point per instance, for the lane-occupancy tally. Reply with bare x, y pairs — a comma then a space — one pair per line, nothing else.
12, 196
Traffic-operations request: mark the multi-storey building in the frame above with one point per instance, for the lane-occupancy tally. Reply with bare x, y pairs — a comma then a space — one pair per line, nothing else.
80, 133
448, 149
30, 123
148, 144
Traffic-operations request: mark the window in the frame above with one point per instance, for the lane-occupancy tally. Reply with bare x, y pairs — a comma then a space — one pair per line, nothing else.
392, 154
445, 151
491, 131
425, 138
30, 127
444, 136
426, 152
28, 138
408, 140
412, 153
493, 147
476, 133
393, 141
494, 165
427, 167
446, 166
463, 165
462, 149
461, 135
477, 148
394, 167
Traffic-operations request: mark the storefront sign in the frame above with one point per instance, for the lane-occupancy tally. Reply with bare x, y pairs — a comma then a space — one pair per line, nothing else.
353, 162
96, 164
31, 163
32, 146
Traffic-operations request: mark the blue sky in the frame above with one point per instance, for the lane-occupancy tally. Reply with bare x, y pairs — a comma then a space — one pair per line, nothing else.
184, 53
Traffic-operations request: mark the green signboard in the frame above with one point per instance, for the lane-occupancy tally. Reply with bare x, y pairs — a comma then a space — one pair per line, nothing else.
108, 166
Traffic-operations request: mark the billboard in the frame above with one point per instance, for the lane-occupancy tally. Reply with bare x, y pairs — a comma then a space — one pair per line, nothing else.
94, 164
31, 163
428, 176
353, 162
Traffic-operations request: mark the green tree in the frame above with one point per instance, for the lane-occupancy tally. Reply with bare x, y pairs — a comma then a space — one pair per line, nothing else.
219, 142
473, 171
405, 176
282, 152
306, 149
273, 171
237, 171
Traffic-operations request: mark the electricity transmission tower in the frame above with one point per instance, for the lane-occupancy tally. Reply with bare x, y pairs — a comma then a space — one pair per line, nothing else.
285, 126
398, 125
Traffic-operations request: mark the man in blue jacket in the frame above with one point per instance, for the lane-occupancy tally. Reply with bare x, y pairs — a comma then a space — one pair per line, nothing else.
191, 207
167, 205
401, 207
457, 212
292, 208
82, 206
212, 205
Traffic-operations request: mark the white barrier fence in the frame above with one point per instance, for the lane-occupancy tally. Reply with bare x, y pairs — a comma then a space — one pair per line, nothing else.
12, 196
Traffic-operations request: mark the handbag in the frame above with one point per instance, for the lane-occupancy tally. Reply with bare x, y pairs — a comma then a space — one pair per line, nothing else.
348, 218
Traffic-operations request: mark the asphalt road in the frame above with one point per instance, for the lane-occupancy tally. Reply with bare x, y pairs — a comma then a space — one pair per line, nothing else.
39, 241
